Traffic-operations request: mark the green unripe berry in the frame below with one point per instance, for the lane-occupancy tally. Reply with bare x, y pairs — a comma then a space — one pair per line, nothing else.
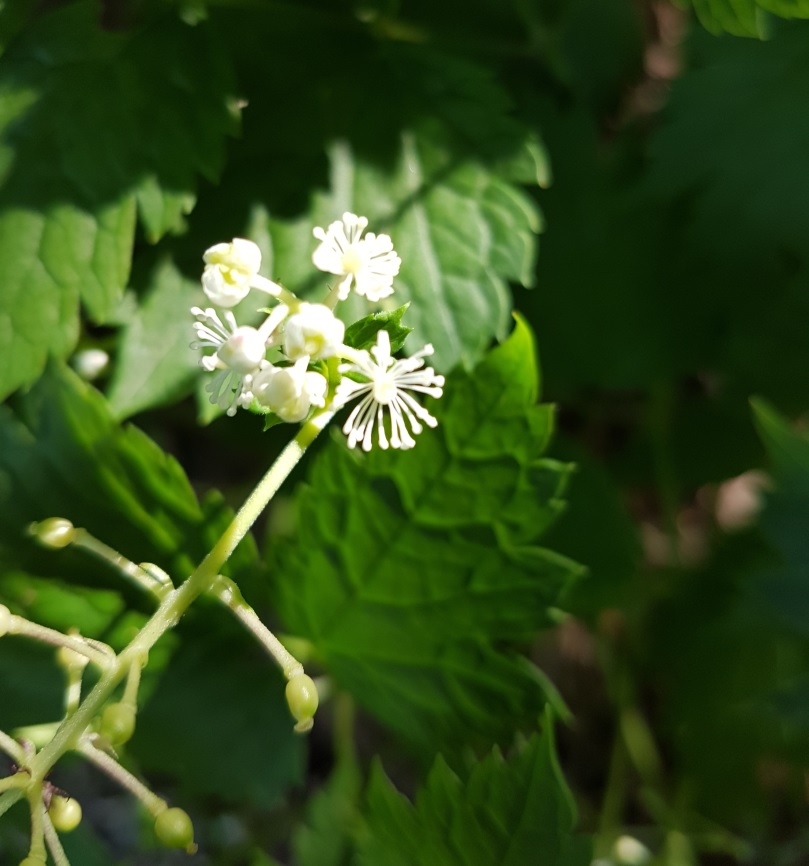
175, 830
117, 723
53, 532
65, 813
301, 694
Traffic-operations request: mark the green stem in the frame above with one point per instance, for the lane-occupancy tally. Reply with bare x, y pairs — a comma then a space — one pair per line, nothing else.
54, 845
176, 602
123, 777
9, 798
12, 748
26, 628
18, 780
133, 683
139, 577
226, 591
37, 848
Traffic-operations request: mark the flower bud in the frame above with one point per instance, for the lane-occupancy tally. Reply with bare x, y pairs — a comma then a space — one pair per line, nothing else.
117, 723
33, 861
244, 350
290, 392
5, 620
65, 813
302, 698
628, 851
229, 270
174, 829
90, 363
313, 331
53, 532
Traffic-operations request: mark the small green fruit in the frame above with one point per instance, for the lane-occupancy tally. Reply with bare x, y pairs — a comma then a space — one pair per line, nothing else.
65, 813
33, 861
175, 830
118, 723
301, 694
54, 532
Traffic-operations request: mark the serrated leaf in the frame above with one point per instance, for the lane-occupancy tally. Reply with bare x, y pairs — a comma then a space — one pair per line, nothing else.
221, 687
461, 231
415, 573
362, 333
155, 364
62, 454
743, 185
784, 588
89, 124
510, 812
325, 838
433, 166
746, 17
732, 686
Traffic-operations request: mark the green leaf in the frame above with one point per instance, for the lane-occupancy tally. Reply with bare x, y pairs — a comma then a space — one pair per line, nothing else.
746, 17
362, 334
325, 838
155, 364
741, 187
510, 812
433, 166
89, 124
460, 230
62, 454
416, 575
732, 689
785, 519
597, 529
219, 722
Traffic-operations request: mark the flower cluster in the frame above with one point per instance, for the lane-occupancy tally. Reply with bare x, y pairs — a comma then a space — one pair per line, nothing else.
302, 338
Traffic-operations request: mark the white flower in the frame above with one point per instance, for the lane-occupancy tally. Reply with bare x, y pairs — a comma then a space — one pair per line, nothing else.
388, 386
313, 330
229, 270
290, 392
238, 356
368, 263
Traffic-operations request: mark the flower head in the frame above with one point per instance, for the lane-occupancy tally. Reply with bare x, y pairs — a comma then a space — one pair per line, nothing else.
229, 270
313, 330
238, 356
388, 386
289, 392
368, 263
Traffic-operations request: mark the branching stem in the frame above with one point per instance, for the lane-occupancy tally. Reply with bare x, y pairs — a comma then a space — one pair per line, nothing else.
175, 603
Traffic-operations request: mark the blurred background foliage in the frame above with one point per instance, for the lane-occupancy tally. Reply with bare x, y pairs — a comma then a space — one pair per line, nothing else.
632, 176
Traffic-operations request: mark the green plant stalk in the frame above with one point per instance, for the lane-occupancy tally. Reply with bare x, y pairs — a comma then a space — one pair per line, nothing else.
12, 748
18, 780
124, 778
9, 798
135, 573
34, 794
54, 845
226, 592
176, 602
